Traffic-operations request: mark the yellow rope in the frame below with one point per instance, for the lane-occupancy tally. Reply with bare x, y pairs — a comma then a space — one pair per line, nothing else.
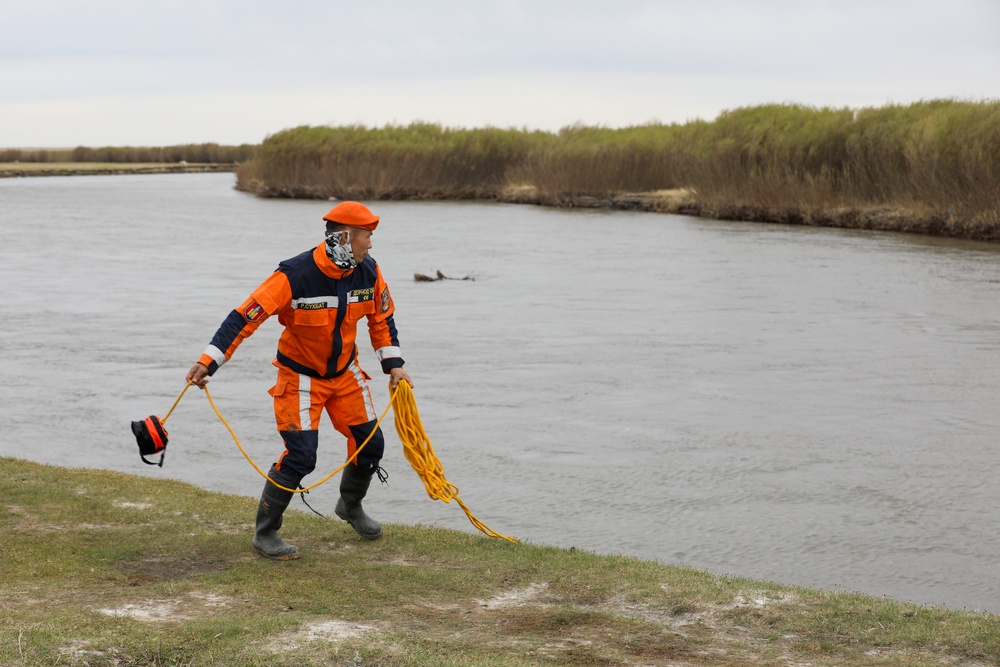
171, 410
419, 452
264, 474
417, 448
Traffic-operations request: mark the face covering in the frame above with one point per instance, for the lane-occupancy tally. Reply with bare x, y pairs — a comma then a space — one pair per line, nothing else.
338, 249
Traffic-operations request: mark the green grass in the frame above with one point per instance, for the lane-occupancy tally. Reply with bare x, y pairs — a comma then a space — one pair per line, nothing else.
103, 568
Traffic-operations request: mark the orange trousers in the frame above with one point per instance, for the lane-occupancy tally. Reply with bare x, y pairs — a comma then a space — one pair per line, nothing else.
299, 403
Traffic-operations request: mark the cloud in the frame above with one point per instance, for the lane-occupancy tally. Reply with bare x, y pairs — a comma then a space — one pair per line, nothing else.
114, 72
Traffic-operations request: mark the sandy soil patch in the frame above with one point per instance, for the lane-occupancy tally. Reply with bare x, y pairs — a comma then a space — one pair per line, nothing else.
331, 631
133, 506
515, 598
193, 605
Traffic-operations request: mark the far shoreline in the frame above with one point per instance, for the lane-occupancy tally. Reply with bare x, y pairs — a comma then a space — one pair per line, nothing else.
28, 169
679, 201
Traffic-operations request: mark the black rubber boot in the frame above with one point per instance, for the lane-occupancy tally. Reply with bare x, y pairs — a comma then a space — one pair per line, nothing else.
353, 487
273, 502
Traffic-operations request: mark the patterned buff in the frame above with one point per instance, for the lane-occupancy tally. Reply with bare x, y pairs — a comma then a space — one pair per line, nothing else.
338, 249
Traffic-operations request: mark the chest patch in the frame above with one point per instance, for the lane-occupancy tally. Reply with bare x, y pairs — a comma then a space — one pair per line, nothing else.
361, 295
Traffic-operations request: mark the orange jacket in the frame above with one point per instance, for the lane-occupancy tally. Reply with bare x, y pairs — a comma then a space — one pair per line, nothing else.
320, 306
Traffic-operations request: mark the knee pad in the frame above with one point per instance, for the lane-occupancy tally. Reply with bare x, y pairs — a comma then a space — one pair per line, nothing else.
372, 453
299, 458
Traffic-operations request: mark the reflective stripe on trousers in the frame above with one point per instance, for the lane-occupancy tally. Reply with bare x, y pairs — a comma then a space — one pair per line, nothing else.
299, 402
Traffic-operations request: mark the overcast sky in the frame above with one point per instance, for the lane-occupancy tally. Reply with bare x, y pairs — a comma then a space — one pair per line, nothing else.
127, 72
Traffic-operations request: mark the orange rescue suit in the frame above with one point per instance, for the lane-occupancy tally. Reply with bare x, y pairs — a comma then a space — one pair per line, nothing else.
319, 306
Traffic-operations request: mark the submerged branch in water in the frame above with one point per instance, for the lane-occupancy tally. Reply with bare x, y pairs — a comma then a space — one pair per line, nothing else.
421, 278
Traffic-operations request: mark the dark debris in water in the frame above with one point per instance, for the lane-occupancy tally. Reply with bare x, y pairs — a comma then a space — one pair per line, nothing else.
422, 278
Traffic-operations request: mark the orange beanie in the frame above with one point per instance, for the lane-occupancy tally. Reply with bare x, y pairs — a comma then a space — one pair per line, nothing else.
352, 214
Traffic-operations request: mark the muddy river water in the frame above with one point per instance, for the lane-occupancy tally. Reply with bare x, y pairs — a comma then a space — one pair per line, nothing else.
811, 406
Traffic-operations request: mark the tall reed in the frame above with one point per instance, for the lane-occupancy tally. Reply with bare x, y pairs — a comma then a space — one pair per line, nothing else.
421, 160
937, 160
600, 162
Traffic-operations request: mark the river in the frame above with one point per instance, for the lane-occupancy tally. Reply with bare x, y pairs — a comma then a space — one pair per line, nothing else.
810, 406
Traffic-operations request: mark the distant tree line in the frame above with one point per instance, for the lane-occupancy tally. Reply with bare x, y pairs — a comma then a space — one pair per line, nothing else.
194, 153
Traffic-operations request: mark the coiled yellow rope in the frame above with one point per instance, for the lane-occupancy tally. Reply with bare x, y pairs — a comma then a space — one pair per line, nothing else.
417, 448
419, 452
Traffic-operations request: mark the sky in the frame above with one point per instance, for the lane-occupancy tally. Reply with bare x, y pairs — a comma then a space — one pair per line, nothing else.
132, 73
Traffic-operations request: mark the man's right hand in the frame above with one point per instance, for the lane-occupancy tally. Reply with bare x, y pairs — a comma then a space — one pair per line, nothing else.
198, 375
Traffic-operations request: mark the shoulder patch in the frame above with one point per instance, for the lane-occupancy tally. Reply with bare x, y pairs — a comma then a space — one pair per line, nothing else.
385, 299
253, 312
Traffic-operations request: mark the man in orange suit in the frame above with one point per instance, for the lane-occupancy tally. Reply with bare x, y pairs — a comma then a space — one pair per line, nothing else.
319, 297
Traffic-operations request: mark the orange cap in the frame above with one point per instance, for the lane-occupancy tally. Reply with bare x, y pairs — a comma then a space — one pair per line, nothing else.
352, 214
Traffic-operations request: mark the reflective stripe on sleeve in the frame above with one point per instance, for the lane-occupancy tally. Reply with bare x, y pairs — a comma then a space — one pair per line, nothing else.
388, 353
217, 355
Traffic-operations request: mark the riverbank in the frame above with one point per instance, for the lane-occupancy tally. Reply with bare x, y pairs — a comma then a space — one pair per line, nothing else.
116, 569
23, 169
683, 201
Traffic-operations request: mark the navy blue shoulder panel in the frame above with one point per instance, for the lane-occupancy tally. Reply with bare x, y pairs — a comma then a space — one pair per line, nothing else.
305, 278
302, 259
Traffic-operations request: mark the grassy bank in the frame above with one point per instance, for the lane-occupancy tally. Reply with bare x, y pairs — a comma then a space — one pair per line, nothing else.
103, 568
931, 167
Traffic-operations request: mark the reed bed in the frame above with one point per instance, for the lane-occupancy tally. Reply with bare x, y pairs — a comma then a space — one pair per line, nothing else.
418, 161
931, 167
